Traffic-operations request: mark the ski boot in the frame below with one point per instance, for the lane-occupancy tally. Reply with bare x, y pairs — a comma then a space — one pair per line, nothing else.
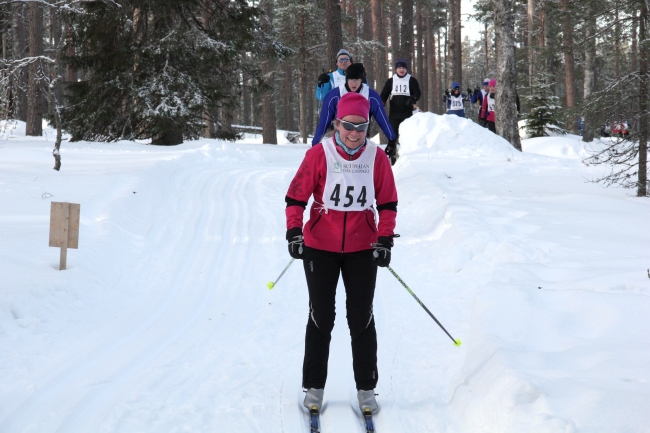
314, 397
367, 400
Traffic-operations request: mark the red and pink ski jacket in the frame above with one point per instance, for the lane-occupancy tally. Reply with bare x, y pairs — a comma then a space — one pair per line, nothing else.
485, 113
337, 231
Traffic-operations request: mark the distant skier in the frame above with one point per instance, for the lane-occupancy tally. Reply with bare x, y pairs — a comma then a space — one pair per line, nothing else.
477, 98
355, 76
455, 100
487, 111
332, 80
403, 91
348, 176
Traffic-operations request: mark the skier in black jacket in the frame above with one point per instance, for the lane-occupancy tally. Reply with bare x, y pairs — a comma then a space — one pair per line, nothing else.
403, 91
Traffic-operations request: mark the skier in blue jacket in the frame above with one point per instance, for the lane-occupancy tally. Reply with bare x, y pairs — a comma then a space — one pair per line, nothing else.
332, 80
355, 76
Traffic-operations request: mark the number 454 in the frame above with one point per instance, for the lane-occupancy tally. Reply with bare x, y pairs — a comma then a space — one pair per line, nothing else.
336, 196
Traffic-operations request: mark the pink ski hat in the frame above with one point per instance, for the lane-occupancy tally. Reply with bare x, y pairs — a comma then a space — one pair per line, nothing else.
493, 82
353, 104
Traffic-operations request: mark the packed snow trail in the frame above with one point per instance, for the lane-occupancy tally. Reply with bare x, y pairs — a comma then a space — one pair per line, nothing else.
163, 321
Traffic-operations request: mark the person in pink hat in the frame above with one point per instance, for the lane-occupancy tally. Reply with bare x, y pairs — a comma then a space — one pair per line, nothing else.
487, 111
348, 175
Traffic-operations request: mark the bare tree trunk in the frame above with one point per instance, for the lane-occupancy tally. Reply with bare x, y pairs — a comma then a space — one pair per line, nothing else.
531, 41
487, 51
369, 59
378, 78
642, 185
352, 12
506, 94
302, 79
428, 61
635, 23
208, 117
569, 62
288, 94
419, 28
334, 32
384, 41
34, 94
617, 40
269, 131
394, 31
246, 94
431, 66
19, 50
454, 48
406, 34
590, 59
439, 86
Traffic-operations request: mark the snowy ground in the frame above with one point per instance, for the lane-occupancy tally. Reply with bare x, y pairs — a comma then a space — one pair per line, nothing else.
163, 322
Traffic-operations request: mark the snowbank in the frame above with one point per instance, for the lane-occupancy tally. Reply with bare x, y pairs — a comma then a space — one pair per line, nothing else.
569, 146
451, 135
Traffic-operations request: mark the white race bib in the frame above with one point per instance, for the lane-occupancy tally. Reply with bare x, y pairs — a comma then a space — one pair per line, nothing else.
349, 185
491, 103
401, 85
338, 79
456, 103
365, 90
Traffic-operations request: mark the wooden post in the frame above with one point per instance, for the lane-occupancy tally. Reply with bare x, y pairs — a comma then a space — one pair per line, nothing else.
64, 229
65, 223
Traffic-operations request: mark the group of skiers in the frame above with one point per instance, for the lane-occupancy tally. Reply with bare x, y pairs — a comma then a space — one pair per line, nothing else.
402, 90
484, 97
351, 182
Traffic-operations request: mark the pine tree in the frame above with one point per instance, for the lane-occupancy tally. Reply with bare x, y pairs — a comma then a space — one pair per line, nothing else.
153, 69
545, 108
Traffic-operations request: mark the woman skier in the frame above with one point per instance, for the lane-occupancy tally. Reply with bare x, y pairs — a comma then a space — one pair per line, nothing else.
487, 111
347, 175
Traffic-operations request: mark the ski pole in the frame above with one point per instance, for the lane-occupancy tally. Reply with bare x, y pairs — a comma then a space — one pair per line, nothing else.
272, 284
456, 342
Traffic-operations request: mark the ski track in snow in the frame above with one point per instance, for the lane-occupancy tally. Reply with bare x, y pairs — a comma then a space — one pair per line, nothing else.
163, 321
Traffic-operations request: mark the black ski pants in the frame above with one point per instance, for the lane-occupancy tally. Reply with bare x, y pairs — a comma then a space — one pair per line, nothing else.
322, 269
395, 122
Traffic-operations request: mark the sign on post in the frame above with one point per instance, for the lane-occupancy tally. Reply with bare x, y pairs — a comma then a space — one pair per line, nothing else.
64, 228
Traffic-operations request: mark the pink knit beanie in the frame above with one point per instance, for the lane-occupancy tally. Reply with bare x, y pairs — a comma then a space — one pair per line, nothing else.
353, 104
493, 82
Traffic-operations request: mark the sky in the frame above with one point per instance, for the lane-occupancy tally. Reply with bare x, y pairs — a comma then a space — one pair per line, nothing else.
471, 28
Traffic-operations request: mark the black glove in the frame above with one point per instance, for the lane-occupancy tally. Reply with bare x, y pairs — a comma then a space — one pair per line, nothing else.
296, 243
381, 255
323, 78
391, 148
477, 90
469, 91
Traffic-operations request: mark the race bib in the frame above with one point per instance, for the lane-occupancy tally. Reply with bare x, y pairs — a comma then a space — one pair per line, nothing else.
338, 79
349, 185
401, 85
456, 103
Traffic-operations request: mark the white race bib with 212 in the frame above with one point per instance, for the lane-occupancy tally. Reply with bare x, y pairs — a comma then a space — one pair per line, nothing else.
349, 185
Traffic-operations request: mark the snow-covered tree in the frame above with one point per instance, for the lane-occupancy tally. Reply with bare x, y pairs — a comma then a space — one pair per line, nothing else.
544, 115
153, 69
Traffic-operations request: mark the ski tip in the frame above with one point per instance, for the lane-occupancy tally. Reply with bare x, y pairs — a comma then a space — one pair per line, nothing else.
270, 285
457, 343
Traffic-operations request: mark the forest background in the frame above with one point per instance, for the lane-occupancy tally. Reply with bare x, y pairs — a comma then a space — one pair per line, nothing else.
168, 70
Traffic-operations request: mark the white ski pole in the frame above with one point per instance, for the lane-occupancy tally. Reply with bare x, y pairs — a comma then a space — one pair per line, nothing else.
272, 284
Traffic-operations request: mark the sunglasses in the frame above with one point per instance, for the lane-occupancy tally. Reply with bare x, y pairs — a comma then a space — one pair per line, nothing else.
344, 59
359, 127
